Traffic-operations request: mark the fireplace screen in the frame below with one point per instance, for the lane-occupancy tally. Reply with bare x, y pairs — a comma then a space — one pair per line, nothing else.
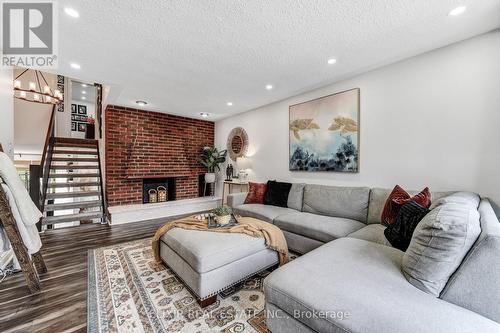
158, 190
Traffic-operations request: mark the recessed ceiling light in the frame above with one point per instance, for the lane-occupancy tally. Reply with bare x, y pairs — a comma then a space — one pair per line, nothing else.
457, 11
84, 92
71, 12
331, 61
229, 103
83, 97
141, 103
75, 65
269, 86
84, 85
204, 114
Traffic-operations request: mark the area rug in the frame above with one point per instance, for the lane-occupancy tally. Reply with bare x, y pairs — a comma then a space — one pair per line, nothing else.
129, 292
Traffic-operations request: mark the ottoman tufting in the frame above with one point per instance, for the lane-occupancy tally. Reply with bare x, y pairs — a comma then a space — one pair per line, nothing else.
209, 262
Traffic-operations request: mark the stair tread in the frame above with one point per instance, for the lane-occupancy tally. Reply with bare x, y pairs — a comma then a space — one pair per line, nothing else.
73, 194
75, 152
73, 205
74, 140
73, 167
74, 145
74, 175
71, 217
74, 159
73, 184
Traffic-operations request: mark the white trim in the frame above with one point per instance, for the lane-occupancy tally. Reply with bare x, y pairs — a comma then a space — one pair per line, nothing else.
142, 212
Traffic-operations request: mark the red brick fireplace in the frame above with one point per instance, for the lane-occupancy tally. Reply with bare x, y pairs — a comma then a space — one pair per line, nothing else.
150, 145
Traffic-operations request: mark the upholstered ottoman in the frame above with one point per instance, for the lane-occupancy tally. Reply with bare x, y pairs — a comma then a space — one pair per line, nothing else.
209, 262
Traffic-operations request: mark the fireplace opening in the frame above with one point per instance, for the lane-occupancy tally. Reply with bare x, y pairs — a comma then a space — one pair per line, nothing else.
158, 190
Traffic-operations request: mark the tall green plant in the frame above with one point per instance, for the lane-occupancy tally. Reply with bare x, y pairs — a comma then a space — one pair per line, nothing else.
211, 158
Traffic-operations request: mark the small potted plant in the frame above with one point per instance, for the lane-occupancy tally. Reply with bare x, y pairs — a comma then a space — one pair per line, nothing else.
211, 158
222, 214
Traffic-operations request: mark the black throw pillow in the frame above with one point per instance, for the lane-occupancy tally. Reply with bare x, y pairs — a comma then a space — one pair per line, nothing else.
399, 234
277, 193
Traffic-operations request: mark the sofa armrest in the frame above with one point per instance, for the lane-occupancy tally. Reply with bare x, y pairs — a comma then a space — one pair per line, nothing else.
236, 199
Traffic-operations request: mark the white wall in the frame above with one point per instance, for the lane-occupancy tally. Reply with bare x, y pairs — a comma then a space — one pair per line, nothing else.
431, 120
31, 120
7, 111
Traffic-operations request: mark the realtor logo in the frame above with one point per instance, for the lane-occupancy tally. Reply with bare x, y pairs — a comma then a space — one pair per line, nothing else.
28, 37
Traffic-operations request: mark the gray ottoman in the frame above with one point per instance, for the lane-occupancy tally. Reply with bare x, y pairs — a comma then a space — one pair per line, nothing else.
209, 262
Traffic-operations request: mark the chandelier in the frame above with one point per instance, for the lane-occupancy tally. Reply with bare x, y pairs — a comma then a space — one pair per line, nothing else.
35, 92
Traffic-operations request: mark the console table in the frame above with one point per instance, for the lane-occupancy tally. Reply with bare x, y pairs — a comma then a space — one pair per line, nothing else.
231, 184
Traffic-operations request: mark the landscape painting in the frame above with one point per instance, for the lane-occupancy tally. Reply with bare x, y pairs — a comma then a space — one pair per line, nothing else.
324, 133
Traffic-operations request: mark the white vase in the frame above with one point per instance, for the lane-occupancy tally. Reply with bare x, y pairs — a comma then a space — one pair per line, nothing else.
210, 178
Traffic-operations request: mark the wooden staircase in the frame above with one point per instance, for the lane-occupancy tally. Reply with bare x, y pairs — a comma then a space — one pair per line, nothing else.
72, 182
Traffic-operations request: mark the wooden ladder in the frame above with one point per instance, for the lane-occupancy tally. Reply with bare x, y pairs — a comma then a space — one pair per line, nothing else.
31, 267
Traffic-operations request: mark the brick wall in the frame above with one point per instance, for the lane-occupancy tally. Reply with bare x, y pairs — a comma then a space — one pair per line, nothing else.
143, 144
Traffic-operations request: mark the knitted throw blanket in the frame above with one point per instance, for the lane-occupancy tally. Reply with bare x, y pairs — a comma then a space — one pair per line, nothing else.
274, 238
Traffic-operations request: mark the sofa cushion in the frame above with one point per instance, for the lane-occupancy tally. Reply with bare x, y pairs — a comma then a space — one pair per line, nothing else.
205, 251
364, 279
262, 212
476, 283
439, 244
378, 197
256, 193
372, 233
466, 198
296, 196
346, 202
318, 227
277, 193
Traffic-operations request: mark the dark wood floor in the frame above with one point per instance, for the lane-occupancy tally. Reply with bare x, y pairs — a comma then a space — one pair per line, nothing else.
62, 304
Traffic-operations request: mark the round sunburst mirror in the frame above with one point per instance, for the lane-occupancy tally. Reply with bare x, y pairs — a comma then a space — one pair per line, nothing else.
237, 143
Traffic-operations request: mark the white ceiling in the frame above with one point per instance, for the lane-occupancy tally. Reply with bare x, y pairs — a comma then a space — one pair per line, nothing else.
190, 56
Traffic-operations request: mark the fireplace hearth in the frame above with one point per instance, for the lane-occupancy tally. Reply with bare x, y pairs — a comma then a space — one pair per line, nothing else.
158, 190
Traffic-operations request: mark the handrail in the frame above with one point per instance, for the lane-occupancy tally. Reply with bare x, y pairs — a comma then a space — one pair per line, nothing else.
103, 193
47, 158
50, 133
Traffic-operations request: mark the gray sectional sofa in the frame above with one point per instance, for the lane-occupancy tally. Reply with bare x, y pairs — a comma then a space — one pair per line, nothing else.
350, 278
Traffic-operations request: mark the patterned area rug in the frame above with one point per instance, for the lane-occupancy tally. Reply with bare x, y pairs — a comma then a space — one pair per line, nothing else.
129, 292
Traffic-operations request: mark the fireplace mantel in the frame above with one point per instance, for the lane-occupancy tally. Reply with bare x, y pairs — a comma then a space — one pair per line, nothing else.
160, 176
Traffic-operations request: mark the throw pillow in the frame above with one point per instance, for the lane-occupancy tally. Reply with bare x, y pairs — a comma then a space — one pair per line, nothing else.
398, 198
256, 193
277, 193
399, 234
440, 243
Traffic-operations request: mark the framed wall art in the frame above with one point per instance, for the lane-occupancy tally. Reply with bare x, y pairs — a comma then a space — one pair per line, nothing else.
82, 109
82, 127
324, 133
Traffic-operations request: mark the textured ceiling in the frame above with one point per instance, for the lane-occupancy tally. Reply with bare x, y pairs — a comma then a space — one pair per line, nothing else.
191, 56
